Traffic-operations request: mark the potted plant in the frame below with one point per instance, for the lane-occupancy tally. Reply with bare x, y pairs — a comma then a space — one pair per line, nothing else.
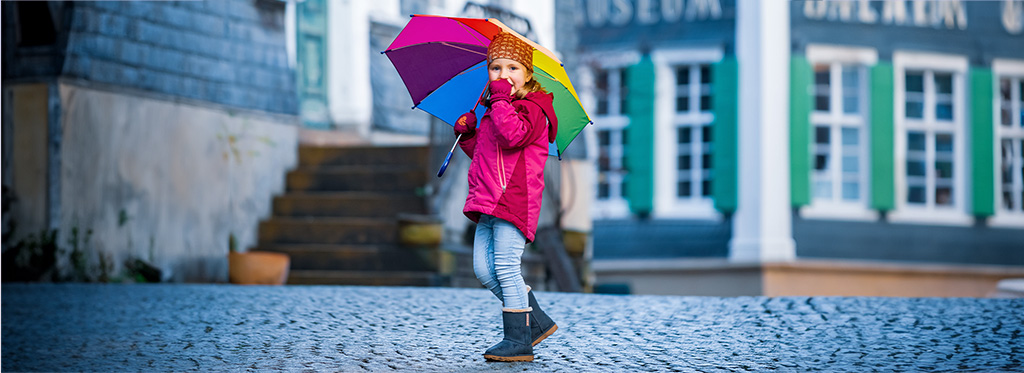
256, 267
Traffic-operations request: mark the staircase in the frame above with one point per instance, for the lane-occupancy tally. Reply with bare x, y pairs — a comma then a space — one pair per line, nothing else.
338, 219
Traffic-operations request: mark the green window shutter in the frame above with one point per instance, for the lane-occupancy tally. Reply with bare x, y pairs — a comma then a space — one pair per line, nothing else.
640, 150
800, 130
883, 185
725, 105
982, 143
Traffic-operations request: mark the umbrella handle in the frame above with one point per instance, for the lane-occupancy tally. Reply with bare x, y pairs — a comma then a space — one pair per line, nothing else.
449, 157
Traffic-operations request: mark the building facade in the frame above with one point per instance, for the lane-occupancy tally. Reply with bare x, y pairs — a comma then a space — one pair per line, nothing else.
745, 133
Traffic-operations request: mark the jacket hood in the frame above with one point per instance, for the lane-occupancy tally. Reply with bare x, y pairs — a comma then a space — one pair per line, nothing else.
545, 100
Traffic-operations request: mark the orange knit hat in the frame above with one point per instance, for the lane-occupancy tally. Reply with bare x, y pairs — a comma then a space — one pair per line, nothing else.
506, 45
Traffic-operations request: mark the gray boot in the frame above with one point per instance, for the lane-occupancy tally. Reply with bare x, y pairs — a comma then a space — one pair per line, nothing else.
541, 326
516, 344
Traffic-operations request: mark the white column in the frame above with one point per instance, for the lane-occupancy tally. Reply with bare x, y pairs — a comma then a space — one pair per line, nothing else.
762, 227
348, 65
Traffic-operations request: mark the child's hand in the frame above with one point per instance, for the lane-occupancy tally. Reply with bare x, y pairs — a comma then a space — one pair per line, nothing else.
466, 125
501, 89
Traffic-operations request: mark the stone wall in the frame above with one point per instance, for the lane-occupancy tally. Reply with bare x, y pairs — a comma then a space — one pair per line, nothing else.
231, 52
165, 182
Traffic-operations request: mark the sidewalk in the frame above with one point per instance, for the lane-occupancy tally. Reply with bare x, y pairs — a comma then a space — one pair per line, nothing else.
80, 327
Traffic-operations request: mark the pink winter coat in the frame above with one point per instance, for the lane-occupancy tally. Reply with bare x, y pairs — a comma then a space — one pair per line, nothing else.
509, 150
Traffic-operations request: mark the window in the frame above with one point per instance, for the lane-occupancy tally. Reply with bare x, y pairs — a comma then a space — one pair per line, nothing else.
611, 161
1010, 176
610, 91
839, 125
609, 97
930, 133
931, 151
694, 151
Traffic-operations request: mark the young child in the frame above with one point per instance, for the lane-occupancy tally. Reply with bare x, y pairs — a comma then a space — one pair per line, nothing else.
506, 178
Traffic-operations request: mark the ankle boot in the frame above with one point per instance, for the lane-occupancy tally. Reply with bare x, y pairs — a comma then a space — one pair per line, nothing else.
541, 326
516, 344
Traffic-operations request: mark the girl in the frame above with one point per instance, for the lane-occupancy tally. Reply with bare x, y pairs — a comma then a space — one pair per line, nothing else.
506, 178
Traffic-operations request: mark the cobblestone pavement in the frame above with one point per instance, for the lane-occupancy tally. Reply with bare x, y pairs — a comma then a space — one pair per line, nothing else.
79, 327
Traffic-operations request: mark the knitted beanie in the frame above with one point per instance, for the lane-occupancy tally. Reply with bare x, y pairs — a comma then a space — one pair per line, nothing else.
506, 45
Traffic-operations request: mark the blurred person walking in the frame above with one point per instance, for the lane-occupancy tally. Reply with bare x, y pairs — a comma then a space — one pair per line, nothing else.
506, 180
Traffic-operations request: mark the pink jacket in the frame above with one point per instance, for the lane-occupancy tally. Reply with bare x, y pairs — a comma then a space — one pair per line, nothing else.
509, 150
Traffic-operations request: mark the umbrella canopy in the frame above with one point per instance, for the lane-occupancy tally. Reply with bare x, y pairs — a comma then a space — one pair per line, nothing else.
442, 61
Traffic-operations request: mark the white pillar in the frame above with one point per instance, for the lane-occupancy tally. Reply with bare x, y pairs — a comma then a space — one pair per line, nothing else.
348, 65
762, 227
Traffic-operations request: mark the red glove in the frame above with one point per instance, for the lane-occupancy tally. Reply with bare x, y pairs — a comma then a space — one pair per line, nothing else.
466, 125
501, 90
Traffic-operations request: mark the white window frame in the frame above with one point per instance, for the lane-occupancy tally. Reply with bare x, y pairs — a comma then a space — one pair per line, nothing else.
667, 204
836, 56
1011, 69
616, 207
929, 213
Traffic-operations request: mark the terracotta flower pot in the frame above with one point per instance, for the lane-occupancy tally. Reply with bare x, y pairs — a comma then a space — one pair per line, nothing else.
258, 268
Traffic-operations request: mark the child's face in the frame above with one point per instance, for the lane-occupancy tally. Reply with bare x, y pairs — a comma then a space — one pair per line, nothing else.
503, 68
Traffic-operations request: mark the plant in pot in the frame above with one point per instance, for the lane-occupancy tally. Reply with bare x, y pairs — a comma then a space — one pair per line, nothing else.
256, 267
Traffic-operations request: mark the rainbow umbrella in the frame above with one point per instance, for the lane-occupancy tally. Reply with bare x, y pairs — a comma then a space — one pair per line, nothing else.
442, 61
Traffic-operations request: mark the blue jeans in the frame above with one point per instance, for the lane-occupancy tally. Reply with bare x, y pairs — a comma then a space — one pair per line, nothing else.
497, 258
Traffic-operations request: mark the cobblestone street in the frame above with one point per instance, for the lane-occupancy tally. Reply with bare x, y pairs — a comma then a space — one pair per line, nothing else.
79, 327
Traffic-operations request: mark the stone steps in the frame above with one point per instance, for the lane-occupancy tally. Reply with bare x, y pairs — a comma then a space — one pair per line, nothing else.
366, 278
358, 257
338, 220
347, 204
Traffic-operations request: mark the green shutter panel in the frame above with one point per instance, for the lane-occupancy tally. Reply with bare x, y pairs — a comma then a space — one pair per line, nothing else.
640, 150
883, 185
725, 105
311, 49
800, 130
982, 143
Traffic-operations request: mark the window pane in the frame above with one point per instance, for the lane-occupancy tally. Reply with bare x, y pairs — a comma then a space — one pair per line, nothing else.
683, 103
851, 136
821, 103
1004, 89
604, 137
851, 104
821, 74
602, 190
684, 162
915, 168
683, 189
1008, 200
1005, 117
915, 141
851, 191
915, 109
705, 188
915, 82
1006, 162
823, 189
944, 83
705, 161
683, 134
623, 92
821, 162
683, 75
821, 135
944, 143
821, 87
850, 77
944, 196
705, 74
705, 103
944, 111
915, 194
705, 134
851, 164
944, 170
